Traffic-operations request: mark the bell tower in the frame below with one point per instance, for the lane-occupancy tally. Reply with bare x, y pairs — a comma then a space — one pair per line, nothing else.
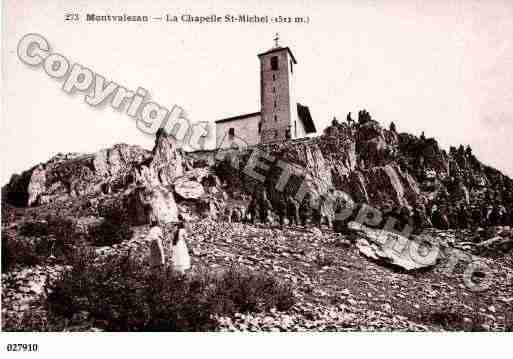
279, 111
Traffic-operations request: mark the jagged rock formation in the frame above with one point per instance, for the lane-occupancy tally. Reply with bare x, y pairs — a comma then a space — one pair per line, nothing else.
372, 164
166, 162
73, 175
109, 170
106, 200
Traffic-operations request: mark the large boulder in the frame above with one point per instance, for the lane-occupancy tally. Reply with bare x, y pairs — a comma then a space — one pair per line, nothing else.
393, 249
140, 205
162, 206
154, 204
189, 189
167, 162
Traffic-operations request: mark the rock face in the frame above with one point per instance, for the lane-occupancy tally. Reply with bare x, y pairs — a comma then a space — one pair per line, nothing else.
164, 165
371, 164
140, 205
73, 175
37, 185
161, 205
109, 170
381, 184
166, 162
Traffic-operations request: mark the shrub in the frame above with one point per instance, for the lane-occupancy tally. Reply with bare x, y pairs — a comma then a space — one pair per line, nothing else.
111, 232
451, 318
63, 228
19, 251
243, 291
34, 229
125, 296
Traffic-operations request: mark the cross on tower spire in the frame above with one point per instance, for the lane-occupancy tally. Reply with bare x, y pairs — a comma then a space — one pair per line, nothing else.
276, 38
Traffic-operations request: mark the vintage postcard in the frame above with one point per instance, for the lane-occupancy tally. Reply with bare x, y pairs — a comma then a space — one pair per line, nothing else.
272, 166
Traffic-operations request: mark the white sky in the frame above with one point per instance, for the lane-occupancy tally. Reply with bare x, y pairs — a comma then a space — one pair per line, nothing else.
445, 67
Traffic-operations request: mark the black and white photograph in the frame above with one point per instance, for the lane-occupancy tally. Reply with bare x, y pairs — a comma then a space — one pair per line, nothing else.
273, 166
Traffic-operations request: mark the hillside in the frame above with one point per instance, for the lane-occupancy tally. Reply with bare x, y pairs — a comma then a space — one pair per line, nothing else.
371, 164
102, 204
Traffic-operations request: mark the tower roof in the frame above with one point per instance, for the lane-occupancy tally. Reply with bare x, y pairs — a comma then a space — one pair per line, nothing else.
276, 49
305, 117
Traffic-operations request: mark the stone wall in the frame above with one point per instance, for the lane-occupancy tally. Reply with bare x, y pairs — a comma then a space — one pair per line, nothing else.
245, 129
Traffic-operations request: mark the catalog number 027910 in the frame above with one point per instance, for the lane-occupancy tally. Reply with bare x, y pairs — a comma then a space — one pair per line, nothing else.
22, 347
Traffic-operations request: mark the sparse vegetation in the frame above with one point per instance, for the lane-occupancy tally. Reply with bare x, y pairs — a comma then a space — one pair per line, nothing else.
451, 318
124, 295
335, 288
20, 251
29, 245
111, 232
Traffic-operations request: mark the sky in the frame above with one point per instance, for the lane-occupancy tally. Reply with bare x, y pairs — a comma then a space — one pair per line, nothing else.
443, 67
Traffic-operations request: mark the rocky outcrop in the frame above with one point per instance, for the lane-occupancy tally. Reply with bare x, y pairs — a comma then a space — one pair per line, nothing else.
140, 205
37, 185
380, 185
371, 164
166, 161
116, 162
165, 164
109, 170
72, 175
161, 205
